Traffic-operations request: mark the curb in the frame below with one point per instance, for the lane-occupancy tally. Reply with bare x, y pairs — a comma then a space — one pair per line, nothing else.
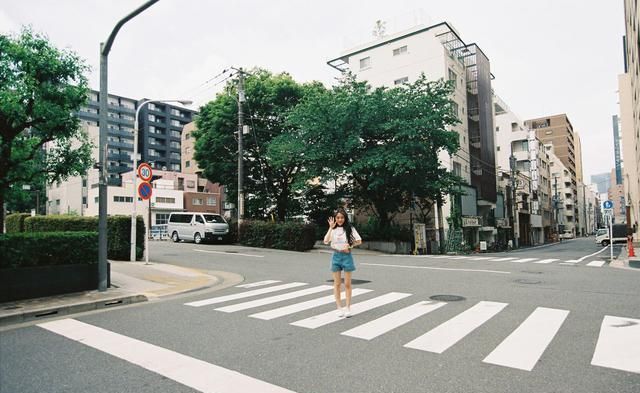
45, 312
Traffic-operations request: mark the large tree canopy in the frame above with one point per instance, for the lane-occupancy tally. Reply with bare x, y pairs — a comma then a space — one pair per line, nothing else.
274, 177
384, 142
41, 89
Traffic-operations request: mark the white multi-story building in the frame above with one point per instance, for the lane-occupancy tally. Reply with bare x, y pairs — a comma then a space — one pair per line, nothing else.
533, 178
438, 52
562, 193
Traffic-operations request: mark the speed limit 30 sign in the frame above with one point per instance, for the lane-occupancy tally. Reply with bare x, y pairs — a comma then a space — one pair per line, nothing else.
144, 172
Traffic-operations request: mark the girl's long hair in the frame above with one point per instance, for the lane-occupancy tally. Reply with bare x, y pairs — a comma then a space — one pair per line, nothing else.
348, 230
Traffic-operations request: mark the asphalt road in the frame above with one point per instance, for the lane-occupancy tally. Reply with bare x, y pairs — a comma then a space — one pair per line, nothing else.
549, 319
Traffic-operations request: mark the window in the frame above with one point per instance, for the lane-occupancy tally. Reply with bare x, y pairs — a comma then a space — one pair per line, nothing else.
162, 218
457, 169
187, 150
185, 218
175, 145
187, 164
165, 200
187, 135
57, 202
497, 128
455, 109
400, 51
152, 117
498, 148
84, 182
365, 63
211, 201
176, 123
174, 155
120, 199
95, 200
175, 134
197, 201
453, 77
84, 200
401, 80
214, 218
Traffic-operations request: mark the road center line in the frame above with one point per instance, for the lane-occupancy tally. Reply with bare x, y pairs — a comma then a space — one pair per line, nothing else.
436, 268
229, 253
194, 373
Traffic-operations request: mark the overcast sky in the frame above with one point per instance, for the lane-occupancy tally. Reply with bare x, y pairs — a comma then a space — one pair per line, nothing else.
548, 56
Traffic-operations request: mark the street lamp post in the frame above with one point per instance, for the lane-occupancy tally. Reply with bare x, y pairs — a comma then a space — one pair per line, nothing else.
105, 48
135, 173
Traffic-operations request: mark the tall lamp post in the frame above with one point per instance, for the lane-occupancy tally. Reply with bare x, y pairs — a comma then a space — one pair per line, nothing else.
132, 255
105, 48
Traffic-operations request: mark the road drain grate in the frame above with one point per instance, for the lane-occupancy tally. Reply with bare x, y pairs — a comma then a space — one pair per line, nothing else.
448, 298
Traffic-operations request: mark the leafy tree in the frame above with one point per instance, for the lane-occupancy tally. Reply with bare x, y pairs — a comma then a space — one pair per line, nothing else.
274, 177
384, 141
41, 88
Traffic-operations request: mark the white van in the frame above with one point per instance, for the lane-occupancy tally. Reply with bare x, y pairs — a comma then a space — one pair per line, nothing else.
196, 227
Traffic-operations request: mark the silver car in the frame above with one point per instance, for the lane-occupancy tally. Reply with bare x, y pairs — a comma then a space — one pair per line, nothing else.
197, 227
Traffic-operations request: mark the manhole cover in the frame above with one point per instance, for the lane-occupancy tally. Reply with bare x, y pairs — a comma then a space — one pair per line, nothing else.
525, 281
354, 281
448, 298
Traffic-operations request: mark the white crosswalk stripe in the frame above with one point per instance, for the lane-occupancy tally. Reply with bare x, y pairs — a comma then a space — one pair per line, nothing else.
274, 299
332, 316
503, 259
243, 295
526, 344
309, 304
618, 344
522, 260
596, 263
377, 327
547, 260
480, 258
447, 334
258, 284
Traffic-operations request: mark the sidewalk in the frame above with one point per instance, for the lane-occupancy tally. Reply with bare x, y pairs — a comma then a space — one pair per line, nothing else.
131, 282
624, 262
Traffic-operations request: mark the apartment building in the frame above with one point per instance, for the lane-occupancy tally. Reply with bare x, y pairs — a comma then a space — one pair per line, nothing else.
440, 53
533, 186
629, 88
558, 131
562, 192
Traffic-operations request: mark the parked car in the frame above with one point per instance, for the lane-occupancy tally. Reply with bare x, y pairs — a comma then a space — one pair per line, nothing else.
567, 235
197, 227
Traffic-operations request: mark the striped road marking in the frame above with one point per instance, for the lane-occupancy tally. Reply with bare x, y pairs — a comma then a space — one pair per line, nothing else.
242, 295
377, 327
481, 258
618, 345
503, 259
524, 260
447, 334
258, 284
274, 299
596, 263
294, 308
332, 316
527, 343
547, 260
191, 372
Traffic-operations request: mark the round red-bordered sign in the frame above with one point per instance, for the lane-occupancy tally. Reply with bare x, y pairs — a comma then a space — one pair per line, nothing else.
145, 190
144, 172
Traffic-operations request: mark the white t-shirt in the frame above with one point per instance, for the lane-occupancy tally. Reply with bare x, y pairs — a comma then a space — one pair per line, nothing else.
339, 238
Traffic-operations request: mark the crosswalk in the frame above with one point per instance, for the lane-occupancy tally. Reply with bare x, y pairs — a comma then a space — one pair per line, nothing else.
543, 261
617, 347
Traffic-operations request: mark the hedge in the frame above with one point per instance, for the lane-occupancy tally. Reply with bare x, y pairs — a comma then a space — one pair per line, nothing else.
283, 236
48, 248
118, 228
15, 222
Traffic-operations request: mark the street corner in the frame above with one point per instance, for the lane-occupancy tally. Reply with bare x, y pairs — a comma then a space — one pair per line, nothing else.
156, 280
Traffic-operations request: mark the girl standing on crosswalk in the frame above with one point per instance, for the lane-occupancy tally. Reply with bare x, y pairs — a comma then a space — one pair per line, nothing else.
343, 237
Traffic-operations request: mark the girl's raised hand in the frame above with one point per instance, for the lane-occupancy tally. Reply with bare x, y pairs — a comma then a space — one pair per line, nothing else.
332, 222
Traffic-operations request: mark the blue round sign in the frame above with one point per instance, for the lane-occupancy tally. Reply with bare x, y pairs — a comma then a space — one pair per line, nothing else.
145, 190
607, 204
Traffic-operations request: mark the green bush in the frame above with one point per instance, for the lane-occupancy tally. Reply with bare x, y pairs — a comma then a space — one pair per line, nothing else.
15, 222
48, 248
118, 228
373, 231
283, 236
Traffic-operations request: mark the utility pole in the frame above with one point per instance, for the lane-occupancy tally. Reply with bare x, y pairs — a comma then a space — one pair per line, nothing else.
514, 202
241, 100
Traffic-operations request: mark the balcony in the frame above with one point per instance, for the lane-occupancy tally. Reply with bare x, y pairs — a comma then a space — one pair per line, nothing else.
122, 145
